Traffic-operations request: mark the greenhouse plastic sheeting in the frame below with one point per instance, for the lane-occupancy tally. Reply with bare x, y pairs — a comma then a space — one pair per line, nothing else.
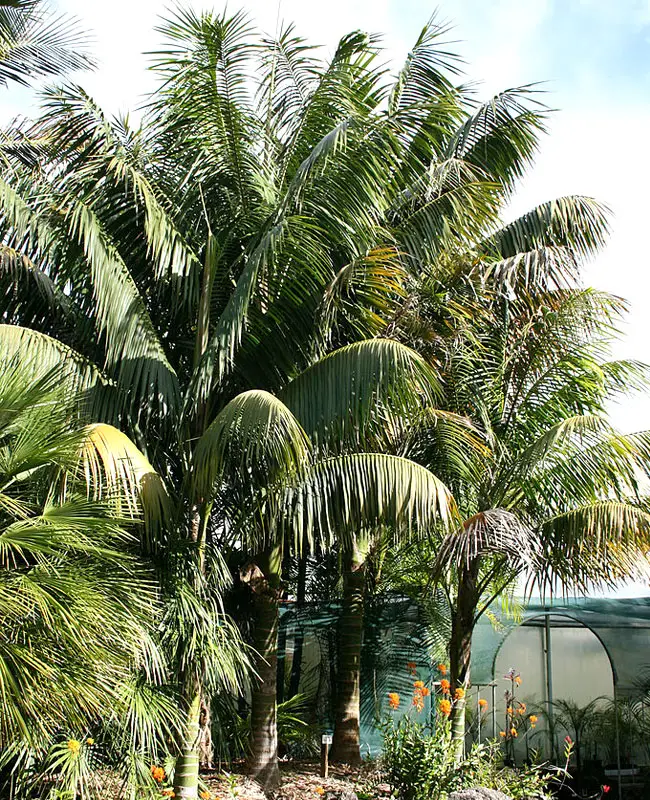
395, 634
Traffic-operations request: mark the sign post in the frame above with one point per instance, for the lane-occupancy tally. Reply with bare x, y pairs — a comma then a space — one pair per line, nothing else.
326, 741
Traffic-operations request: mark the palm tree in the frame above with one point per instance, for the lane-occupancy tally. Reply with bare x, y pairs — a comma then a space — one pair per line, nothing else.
177, 268
35, 42
237, 238
556, 495
75, 602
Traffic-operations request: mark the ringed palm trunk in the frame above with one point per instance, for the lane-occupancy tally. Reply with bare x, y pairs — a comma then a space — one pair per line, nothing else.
186, 773
262, 762
460, 651
346, 741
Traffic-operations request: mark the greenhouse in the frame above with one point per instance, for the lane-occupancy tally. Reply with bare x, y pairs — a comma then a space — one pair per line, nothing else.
578, 659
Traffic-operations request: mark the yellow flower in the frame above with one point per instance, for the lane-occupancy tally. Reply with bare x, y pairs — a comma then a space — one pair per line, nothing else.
320, 790
513, 733
482, 703
518, 680
90, 741
459, 693
172, 793
533, 719
445, 686
393, 700
522, 708
445, 707
205, 795
418, 685
74, 746
442, 669
509, 710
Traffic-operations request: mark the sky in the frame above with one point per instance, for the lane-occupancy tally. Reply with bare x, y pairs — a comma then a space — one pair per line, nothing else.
593, 57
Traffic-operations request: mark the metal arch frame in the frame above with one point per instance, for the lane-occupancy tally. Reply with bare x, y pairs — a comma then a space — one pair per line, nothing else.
546, 615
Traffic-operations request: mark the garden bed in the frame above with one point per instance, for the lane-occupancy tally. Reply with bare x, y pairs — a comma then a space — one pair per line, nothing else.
300, 780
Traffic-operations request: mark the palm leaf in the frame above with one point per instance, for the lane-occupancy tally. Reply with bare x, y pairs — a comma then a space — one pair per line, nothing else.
340, 497
256, 436
359, 390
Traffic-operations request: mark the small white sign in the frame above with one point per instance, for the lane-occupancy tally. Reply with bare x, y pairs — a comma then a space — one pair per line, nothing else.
327, 738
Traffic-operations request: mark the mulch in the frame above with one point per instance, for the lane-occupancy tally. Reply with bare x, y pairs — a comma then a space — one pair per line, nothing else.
299, 781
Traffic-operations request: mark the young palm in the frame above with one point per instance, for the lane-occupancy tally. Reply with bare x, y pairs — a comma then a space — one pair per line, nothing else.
557, 495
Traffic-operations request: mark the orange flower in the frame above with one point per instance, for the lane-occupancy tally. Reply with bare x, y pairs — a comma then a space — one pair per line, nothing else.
319, 790
518, 680
442, 669
445, 707
482, 703
444, 686
509, 710
172, 793
459, 693
513, 733
393, 700
205, 795
502, 734
418, 702
425, 692
158, 773
74, 746
533, 719
418, 685
522, 708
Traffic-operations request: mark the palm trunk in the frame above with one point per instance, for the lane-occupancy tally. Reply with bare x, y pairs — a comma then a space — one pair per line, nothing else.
299, 637
346, 742
186, 773
460, 650
262, 764
206, 748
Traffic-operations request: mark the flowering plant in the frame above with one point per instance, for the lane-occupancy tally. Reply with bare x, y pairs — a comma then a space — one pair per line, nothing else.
419, 762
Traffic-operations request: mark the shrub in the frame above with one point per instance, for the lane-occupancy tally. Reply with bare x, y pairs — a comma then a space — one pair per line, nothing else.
419, 764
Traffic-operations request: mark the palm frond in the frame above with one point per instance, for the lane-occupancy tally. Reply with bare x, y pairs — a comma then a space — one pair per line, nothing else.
256, 436
36, 42
359, 390
579, 224
341, 496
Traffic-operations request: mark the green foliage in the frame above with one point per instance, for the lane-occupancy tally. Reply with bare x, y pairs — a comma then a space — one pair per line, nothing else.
420, 764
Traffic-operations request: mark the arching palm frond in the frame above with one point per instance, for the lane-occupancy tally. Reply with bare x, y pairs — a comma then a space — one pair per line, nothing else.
255, 435
342, 495
362, 390
36, 42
